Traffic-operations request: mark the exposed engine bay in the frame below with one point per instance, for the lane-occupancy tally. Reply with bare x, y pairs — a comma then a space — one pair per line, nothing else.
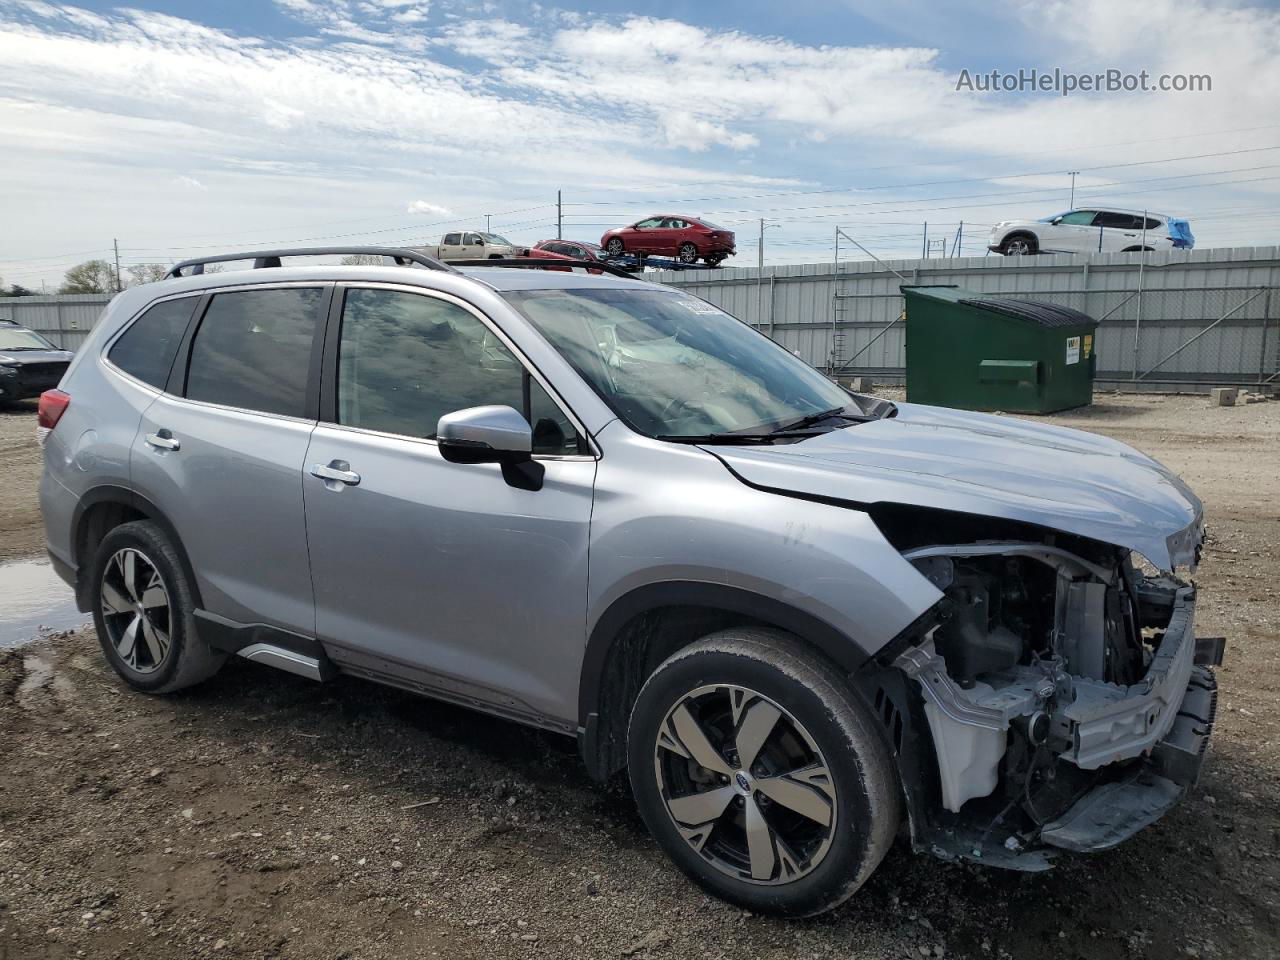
1067, 698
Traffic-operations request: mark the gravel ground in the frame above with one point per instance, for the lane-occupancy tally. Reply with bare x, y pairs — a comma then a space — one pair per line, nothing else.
263, 816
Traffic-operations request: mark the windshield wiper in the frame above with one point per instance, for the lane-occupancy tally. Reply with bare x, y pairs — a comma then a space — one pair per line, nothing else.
815, 418
727, 438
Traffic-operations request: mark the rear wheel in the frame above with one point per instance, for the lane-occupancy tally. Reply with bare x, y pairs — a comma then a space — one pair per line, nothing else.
144, 611
715, 259
760, 773
615, 247
687, 252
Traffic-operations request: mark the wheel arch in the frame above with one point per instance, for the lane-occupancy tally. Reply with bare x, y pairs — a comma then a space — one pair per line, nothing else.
645, 626
99, 511
1020, 233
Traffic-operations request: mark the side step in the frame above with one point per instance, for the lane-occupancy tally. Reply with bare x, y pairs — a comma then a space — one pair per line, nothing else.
262, 643
283, 659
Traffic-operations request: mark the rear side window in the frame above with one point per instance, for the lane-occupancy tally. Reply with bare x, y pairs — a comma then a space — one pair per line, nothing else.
253, 350
147, 348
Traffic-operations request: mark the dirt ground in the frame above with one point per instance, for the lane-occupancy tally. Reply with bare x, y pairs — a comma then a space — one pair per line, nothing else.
265, 816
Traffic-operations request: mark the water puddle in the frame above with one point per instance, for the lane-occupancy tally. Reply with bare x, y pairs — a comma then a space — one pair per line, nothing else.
34, 601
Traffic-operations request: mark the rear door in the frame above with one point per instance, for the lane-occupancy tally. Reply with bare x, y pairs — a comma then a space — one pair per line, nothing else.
1120, 231
437, 574
222, 453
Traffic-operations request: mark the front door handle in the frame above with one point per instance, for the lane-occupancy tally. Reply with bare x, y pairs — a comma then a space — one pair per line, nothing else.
337, 471
163, 440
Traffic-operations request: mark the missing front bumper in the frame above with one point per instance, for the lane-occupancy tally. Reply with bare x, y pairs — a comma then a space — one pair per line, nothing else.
1112, 812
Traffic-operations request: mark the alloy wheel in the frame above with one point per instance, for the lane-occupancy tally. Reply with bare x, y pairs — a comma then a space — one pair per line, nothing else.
745, 784
1017, 248
688, 253
615, 247
136, 610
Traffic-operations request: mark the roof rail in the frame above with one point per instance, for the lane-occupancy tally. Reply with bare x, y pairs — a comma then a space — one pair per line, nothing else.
546, 263
271, 258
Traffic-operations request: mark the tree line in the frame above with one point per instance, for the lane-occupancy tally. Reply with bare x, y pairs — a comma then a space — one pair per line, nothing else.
94, 276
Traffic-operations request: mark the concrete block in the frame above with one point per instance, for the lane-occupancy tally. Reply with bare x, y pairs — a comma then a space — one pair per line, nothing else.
1223, 396
861, 384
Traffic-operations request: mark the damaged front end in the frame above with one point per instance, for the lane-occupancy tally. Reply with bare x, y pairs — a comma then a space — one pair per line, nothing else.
1056, 697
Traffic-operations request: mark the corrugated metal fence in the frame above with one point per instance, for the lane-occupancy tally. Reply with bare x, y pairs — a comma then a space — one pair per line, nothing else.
1177, 321
65, 319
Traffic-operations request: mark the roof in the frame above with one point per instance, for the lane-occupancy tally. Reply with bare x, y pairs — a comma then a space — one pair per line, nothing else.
505, 278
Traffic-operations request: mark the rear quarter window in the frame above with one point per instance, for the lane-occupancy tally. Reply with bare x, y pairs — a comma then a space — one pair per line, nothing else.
147, 348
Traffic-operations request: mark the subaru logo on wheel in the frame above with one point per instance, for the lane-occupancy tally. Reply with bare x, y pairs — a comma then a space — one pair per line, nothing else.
743, 783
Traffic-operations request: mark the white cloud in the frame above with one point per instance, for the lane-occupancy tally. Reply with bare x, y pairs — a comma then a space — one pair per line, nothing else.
422, 206
190, 182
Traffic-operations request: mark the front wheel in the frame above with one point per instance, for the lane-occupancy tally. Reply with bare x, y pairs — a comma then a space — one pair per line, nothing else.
760, 773
615, 247
687, 253
1019, 246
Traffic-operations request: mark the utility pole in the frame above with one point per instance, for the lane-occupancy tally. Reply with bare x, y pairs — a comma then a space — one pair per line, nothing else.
1072, 203
924, 247
486, 222
116, 244
559, 217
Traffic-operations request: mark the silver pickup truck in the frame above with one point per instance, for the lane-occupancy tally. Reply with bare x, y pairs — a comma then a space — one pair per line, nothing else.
472, 245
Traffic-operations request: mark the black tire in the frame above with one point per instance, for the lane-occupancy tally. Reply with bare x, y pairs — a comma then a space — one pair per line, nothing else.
1019, 244
781, 672
687, 252
615, 247
715, 260
187, 659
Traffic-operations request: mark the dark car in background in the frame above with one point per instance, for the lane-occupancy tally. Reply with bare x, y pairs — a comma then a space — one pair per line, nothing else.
684, 238
29, 364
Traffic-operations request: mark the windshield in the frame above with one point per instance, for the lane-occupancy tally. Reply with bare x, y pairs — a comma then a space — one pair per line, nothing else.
670, 365
11, 339
494, 238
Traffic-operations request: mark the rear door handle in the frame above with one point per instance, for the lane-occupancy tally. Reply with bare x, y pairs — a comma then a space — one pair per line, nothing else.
163, 440
337, 470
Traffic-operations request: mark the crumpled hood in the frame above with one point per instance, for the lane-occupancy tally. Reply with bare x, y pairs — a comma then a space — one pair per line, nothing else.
23, 357
986, 465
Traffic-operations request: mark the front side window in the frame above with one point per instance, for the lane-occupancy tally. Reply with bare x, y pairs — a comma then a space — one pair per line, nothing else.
651, 222
670, 365
1078, 218
146, 350
253, 350
405, 360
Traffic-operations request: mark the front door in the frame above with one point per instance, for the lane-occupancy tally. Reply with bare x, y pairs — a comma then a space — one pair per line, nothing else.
1073, 233
438, 574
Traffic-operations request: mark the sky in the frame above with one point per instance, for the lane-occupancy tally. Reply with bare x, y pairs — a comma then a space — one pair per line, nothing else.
178, 128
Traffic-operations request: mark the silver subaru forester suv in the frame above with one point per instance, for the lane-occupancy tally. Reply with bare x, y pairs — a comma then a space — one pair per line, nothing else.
796, 616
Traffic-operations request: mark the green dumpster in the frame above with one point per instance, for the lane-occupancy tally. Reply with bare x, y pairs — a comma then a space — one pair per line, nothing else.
976, 352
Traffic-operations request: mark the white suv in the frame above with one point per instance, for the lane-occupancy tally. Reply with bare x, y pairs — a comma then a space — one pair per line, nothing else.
1091, 231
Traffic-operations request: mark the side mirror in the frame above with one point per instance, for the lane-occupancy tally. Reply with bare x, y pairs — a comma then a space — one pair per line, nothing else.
493, 434
1055, 221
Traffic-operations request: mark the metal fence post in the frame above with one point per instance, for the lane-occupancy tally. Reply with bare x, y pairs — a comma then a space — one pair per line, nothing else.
1262, 351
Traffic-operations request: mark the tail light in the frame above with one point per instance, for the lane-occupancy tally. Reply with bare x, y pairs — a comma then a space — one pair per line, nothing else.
53, 404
